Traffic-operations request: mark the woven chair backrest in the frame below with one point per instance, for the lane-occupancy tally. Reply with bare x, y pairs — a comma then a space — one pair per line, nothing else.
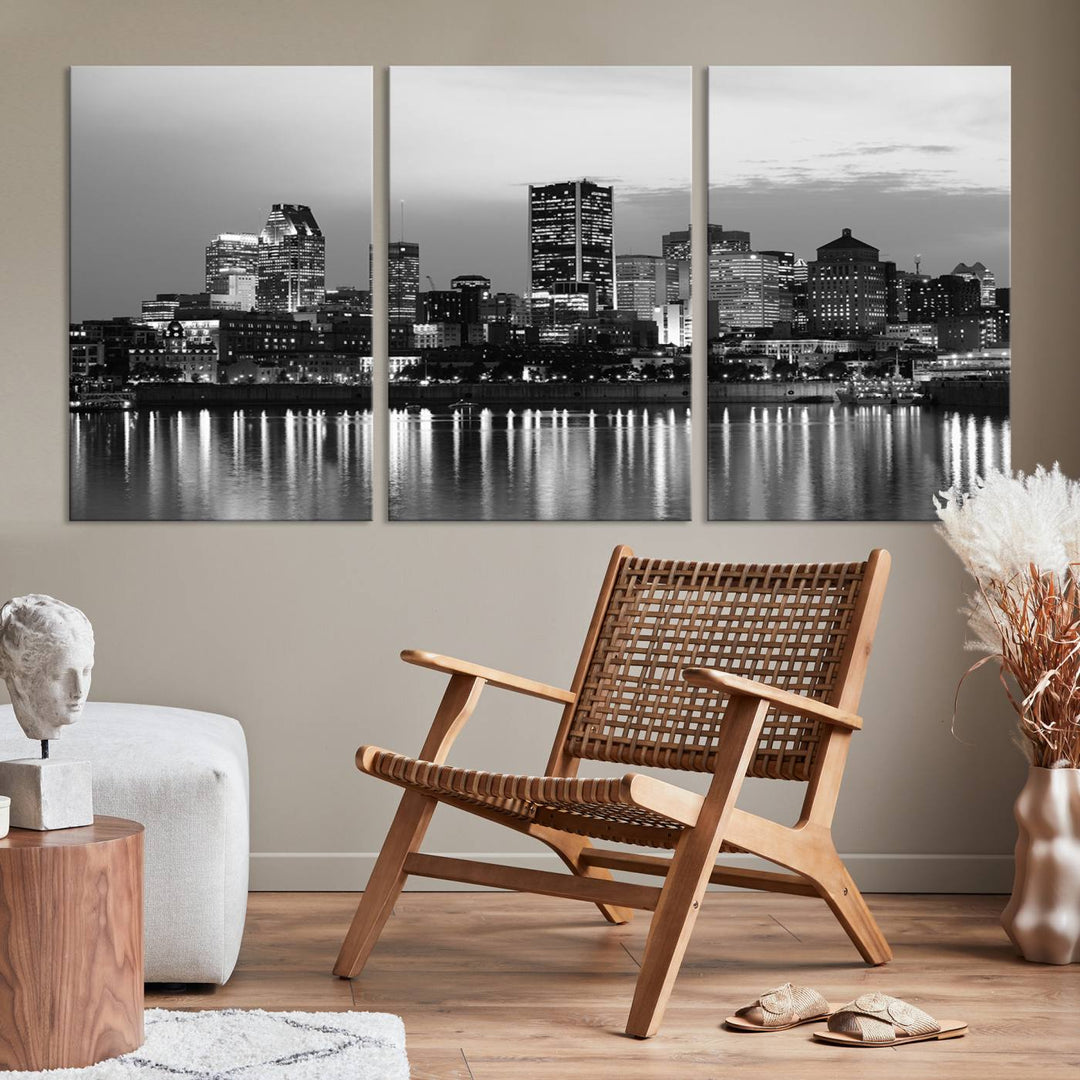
789, 625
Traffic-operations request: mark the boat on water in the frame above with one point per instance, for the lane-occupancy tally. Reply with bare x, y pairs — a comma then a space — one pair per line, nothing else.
100, 403
412, 407
890, 390
873, 392
465, 408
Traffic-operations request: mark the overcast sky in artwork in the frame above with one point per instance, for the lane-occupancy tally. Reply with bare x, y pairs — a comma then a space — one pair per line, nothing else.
165, 158
914, 160
467, 141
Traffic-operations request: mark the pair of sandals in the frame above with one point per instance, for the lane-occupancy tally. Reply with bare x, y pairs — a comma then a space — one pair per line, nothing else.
870, 1020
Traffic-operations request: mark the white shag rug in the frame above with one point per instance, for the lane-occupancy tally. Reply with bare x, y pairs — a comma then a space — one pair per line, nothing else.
249, 1044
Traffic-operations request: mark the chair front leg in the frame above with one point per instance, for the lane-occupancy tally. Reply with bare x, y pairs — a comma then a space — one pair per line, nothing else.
386, 882
675, 915
406, 832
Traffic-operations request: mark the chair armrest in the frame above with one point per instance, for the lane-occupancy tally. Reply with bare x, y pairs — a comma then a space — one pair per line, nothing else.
449, 666
799, 704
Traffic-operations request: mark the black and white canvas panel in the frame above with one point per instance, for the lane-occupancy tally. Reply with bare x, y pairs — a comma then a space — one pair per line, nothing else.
220, 338
539, 315
858, 310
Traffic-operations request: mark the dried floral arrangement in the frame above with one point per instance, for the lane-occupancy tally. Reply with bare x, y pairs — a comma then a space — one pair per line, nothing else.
1019, 538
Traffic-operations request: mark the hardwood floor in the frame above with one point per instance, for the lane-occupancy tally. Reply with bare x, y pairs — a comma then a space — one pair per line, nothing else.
496, 986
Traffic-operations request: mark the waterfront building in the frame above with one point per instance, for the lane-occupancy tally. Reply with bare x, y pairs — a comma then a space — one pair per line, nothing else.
846, 291
118, 336
641, 283
177, 357
947, 296
440, 306
922, 299
618, 331
472, 291
674, 324
234, 289
347, 300
504, 307
572, 301
744, 286
987, 283
255, 369
84, 354
571, 237
804, 351
326, 367
161, 311
978, 330
231, 253
292, 260
442, 335
403, 365
232, 334
906, 335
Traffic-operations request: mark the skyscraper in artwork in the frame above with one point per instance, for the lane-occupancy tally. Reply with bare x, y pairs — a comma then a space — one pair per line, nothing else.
292, 260
403, 271
642, 284
232, 271
231, 253
571, 237
847, 289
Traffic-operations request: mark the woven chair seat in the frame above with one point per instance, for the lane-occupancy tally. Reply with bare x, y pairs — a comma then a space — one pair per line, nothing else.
586, 807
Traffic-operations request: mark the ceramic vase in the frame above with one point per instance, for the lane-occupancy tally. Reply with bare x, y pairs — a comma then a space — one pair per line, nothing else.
1043, 915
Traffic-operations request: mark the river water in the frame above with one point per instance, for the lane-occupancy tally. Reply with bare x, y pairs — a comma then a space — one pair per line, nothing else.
556, 464
845, 462
255, 464
776, 462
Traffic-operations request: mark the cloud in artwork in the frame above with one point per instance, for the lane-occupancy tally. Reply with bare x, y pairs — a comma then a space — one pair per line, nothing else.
913, 159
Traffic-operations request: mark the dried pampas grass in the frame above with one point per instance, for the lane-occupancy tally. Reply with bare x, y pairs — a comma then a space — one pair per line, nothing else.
1019, 538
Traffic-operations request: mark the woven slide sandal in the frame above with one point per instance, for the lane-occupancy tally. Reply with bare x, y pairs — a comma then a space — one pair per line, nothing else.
777, 1010
880, 1020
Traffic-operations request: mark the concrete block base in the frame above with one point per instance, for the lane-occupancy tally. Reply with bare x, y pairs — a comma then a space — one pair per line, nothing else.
47, 793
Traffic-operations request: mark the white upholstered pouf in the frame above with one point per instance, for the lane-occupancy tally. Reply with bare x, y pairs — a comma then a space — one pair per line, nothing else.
184, 776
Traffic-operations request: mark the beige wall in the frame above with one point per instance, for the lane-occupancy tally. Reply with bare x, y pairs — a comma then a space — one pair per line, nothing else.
294, 628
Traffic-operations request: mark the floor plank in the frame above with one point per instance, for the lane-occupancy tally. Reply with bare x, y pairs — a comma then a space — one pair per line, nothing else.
493, 985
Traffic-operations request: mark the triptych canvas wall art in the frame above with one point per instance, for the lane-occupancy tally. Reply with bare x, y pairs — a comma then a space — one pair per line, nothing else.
538, 273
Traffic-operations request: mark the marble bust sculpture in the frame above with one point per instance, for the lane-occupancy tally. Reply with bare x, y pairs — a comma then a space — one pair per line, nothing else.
46, 656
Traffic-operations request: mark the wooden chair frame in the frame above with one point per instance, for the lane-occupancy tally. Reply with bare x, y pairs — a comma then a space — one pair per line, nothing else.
805, 849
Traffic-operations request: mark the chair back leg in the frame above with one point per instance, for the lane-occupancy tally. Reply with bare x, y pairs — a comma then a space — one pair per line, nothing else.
569, 848
387, 880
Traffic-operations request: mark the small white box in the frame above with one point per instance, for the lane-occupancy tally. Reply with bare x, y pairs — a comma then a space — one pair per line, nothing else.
47, 793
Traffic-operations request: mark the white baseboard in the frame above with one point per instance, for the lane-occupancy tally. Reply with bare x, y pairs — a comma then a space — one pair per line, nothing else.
338, 871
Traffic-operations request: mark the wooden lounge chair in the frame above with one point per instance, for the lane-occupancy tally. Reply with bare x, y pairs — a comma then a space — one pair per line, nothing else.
722, 669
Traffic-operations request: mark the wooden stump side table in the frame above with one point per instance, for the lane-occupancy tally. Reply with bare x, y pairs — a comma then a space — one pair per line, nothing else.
71, 945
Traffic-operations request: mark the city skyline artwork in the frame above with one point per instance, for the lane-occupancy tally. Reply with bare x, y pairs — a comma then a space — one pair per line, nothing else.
859, 296
220, 338
539, 345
